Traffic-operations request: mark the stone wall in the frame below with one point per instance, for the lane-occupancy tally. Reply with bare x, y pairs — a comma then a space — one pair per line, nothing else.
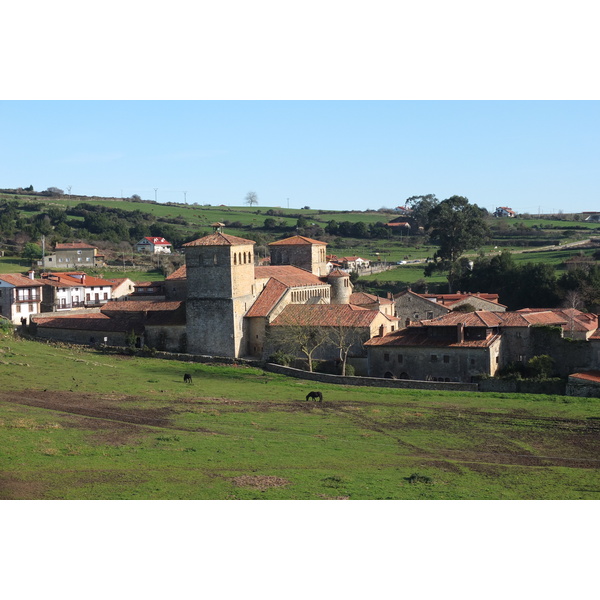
371, 381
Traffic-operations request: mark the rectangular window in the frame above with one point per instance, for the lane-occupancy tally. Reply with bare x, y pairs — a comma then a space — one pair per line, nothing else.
434, 358
31, 308
400, 358
18, 308
430, 314
446, 358
472, 361
386, 357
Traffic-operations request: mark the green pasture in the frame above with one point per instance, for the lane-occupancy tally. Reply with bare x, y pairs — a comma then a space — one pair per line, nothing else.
79, 424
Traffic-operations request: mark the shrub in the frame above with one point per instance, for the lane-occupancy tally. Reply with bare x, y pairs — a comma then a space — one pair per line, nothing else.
281, 358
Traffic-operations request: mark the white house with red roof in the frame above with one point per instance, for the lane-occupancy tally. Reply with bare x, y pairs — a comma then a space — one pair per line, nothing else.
504, 211
20, 296
75, 289
154, 245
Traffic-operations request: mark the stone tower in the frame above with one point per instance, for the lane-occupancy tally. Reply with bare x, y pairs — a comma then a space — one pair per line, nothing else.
220, 279
341, 286
302, 252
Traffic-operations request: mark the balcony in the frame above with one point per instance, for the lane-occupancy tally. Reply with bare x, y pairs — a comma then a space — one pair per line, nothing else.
32, 298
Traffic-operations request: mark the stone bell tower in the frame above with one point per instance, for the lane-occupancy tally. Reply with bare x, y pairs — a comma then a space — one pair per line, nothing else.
220, 278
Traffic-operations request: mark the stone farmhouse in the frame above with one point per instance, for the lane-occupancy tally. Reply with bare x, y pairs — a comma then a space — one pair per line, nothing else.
72, 255
154, 245
411, 306
20, 296
464, 346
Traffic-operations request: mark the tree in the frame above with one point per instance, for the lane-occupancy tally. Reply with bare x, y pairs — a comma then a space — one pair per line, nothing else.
251, 198
456, 226
31, 251
54, 191
344, 338
293, 338
420, 207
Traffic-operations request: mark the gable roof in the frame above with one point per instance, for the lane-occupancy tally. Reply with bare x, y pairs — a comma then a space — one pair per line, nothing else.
268, 298
180, 273
418, 336
592, 376
325, 315
219, 239
74, 246
288, 275
19, 280
157, 241
360, 298
297, 240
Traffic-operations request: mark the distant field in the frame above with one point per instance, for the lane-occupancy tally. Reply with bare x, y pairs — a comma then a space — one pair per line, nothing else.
77, 424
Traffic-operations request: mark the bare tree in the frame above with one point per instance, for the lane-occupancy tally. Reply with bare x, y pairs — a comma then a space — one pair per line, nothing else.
344, 338
294, 338
251, 198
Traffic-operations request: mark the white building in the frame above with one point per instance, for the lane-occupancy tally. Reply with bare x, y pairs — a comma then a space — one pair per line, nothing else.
154, 245
20, 296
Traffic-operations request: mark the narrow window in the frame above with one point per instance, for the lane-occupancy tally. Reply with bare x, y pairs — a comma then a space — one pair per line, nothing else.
386, 357
400, 358
434, 358
446, 358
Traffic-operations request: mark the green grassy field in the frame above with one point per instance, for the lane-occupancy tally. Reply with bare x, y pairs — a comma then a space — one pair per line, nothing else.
79, 424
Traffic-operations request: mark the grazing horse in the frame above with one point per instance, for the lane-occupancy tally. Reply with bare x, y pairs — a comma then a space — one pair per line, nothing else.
315, 396
187, 378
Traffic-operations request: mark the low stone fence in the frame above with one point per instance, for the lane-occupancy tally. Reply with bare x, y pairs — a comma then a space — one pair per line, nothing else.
516, 386
406, 384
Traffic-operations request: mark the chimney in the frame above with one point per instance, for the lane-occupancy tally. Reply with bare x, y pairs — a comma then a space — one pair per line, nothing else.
460, 332
31, 274
83, 279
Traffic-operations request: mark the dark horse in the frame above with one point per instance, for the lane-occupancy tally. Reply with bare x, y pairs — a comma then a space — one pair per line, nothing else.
187, 378
315, 396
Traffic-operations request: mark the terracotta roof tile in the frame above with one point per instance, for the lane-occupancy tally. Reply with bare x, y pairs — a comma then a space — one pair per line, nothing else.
288, 275
417, 336
593, 376
130, 306
219, 239
325, 315
74, 246
360, 298
180, 273
268, 298
297, 240
19, 280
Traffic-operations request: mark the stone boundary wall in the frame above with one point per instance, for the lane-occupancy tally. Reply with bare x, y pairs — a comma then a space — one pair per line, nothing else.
515, 386
406, 384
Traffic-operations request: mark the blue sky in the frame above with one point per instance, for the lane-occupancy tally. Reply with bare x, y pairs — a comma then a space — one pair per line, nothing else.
529, 155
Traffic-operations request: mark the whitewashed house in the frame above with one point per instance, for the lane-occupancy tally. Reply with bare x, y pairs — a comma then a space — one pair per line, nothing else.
20, 296
154, 245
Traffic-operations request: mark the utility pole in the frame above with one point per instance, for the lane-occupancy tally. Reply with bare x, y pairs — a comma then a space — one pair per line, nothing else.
155, 197
185, 197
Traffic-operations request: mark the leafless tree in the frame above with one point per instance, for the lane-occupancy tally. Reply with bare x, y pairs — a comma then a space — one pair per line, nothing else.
251, 198
295, 339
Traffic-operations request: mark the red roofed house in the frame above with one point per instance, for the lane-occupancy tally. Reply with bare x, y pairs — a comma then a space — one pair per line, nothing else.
154, 245
74, 289
504, 211
461, 346
20, 296
411, 306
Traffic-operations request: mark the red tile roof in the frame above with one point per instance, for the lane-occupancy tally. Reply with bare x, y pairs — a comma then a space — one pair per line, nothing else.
325, 315
180, 273
74, 246
360, 298
268, 298
593, 376
219, 239
417, 336
129, 306
337, 273
158, 241
288, 275
19, 280
297, 240
90, 322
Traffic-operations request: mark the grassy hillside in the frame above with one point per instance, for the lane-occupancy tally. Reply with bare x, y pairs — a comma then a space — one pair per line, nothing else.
79, 424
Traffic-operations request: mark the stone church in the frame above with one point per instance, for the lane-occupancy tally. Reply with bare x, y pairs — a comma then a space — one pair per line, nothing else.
231, 302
